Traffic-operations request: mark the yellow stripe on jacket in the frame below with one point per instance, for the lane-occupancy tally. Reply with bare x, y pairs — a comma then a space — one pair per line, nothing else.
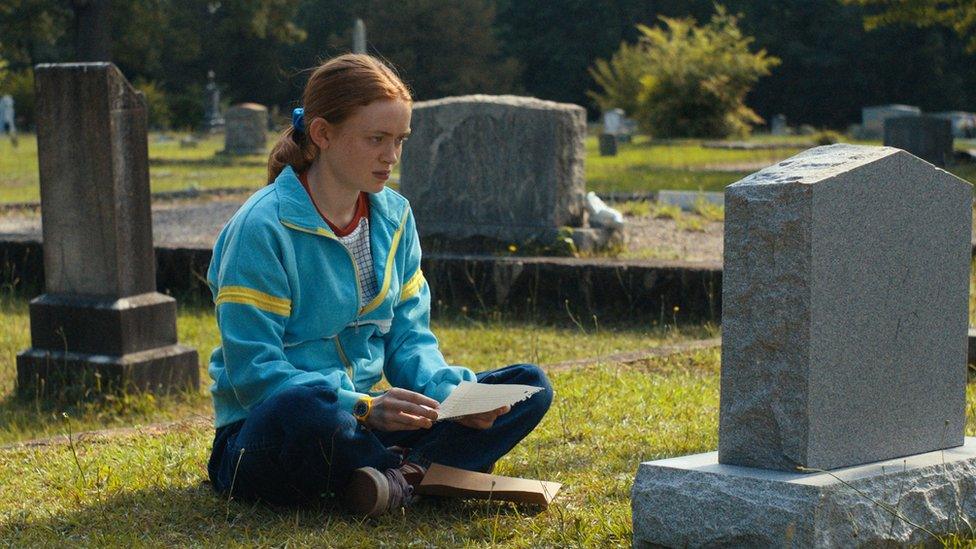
248, 296
412, 286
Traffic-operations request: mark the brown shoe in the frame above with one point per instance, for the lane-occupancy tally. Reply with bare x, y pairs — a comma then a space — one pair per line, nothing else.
372, 493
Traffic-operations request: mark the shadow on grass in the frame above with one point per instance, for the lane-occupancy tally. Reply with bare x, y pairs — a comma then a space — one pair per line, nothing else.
194, 515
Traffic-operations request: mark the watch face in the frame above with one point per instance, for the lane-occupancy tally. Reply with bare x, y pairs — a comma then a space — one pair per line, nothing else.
360, 409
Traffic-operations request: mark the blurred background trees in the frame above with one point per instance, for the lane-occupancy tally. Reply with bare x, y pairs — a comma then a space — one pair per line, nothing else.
830, 67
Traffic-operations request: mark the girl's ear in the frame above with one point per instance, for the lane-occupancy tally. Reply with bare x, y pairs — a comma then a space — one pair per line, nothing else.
321, 132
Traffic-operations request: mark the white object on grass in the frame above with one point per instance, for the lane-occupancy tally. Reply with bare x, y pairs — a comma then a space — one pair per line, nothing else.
602, 215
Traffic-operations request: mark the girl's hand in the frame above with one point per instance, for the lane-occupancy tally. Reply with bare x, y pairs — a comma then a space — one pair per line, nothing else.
402, 410
483, 420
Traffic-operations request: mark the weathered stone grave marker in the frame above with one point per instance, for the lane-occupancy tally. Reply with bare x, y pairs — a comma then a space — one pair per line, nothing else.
845, 315
502, 168
100, 323
872, 118
246, 129
927, 137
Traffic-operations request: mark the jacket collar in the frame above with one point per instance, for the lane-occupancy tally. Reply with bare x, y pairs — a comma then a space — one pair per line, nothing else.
295, 206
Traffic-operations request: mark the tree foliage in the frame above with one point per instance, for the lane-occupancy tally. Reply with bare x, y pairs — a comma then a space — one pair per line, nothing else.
958, 15
685, 80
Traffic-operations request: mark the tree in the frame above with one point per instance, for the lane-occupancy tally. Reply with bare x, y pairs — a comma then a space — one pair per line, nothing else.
690, 80
958, 15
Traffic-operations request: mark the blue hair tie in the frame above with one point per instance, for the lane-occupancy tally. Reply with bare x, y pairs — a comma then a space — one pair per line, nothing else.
298, 119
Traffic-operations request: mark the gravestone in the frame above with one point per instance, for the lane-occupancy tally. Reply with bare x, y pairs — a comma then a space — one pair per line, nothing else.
212, 119
246, 129
613, 121
100, 325
608, 144
927, 137
872, 118
503, 168
778, 125
963, 123
8, 123
844, 324
359, 37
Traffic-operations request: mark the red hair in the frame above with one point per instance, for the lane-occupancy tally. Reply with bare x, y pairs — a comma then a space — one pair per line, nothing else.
336, 89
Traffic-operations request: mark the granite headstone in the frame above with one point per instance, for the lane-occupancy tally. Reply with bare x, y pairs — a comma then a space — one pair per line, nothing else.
844, 342
246, 129
501, 167
927, 137
872, 118
100, 321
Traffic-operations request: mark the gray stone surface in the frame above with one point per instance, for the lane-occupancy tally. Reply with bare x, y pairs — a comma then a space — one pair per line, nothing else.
872, 118
608, 144
497, 166
927, 137
693, 501
94, 170
99, 264
246, 129
686, 200
845, 292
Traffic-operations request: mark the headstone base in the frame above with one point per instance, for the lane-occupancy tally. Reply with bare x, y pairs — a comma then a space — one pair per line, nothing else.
68, 375
693, 501
108, 326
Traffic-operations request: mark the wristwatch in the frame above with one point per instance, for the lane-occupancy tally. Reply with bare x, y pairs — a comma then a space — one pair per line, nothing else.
362, 408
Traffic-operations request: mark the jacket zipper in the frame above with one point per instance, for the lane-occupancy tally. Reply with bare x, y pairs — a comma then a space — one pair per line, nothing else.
350, 370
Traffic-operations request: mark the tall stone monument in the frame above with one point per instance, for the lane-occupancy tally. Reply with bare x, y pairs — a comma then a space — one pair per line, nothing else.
359, 37
844, 324
504, 168
100, 323
212, 119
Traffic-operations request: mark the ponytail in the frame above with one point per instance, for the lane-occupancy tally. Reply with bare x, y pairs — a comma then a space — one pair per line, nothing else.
294, 149
336, 89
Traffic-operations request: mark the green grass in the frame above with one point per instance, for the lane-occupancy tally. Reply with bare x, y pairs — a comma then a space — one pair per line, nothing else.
640, 166
477, 343
149, 490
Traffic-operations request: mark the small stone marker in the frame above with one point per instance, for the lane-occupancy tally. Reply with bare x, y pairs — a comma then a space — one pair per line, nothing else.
247, 129
613, 121
778, 125
844, 346
963, 123
872, 118
608, 144
501, 167
100, 323
8, 123
927, 137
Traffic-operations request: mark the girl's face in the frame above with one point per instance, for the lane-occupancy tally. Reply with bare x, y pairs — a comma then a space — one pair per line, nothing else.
359, 154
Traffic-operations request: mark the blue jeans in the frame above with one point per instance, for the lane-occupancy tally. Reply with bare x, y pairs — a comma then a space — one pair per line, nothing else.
298, 446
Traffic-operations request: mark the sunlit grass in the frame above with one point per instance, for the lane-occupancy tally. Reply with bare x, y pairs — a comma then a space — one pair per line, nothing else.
477, 343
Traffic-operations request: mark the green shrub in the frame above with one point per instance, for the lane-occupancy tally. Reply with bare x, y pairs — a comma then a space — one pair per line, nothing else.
159, 115
685, 80
827, 137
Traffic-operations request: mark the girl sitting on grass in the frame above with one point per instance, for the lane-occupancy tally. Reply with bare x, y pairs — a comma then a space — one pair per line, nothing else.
318, 293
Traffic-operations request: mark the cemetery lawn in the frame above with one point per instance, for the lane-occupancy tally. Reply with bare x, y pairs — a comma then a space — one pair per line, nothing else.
479, 343
640, 166
142, 489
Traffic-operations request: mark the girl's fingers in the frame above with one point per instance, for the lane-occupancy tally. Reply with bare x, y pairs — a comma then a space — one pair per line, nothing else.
416, 398
415, 409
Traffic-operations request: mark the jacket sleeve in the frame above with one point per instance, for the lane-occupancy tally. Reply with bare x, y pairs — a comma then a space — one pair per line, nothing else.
413, 360
252, 295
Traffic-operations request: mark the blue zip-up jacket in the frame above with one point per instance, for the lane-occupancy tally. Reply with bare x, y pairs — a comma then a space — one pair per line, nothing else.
288, 305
